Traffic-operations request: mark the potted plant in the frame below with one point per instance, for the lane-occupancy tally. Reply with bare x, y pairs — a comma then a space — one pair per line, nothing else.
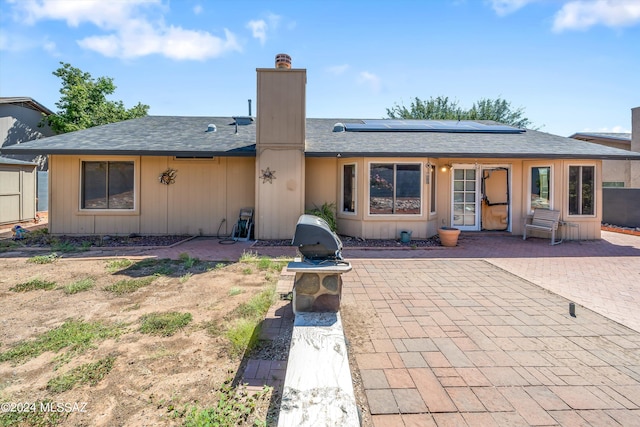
448, 236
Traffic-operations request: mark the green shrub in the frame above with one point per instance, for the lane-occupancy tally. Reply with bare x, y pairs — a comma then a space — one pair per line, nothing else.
43, 259
127, 286
327, 212
33, 285
91, 373
79, 286
164, 324
76, 335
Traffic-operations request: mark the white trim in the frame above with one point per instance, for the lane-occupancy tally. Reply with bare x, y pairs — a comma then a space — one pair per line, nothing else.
478, 169
368, 189
552, 189
355, 189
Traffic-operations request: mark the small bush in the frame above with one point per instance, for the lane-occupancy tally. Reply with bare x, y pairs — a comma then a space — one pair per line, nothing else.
118, 264
127, 286
33, 285
327, 212
91, 373
76, 335
164, 324
79, 286
235, 291
187, 261
234, 407
43, 259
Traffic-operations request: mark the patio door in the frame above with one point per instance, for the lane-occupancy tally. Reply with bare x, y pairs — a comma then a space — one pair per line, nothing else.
465, 207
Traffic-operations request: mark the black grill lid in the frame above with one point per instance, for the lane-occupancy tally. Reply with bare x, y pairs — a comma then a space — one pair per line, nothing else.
315, 240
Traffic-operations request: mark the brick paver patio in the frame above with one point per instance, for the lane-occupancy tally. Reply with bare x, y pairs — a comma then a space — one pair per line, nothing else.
464, 342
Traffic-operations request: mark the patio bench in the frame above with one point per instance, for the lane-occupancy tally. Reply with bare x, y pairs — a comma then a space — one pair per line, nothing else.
544, 220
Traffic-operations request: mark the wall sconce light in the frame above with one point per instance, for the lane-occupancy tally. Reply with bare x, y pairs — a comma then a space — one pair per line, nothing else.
429, 165
446, 167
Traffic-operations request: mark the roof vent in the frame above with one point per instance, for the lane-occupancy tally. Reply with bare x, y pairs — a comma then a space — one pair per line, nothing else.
283, 61
211, 127
339, 127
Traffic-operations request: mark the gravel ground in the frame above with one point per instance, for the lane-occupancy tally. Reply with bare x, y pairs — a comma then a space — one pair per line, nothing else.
350, 242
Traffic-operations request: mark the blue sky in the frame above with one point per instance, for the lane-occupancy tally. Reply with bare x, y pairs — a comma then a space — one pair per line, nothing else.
573, 65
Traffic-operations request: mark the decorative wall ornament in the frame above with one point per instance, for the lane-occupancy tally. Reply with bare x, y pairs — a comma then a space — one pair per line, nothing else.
168, 177
268, 175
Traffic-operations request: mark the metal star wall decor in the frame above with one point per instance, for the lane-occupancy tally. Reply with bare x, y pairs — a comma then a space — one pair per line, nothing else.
268, 175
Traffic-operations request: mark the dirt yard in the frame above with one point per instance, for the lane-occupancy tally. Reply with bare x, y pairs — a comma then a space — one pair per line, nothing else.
154, 379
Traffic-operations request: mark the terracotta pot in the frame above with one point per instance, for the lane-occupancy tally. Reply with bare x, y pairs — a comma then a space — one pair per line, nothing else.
448, 236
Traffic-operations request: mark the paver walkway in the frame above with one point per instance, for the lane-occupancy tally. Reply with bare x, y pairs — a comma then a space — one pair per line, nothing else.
463, 342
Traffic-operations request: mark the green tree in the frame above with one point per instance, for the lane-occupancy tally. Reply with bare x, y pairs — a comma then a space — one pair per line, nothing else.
84, 102
442, 108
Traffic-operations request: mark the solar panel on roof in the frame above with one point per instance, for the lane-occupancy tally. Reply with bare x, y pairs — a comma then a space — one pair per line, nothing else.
453, 126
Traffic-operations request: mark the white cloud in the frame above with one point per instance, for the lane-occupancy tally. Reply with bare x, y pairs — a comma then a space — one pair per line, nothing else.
260, 27
582, 14
131, 34
197, 9
259, 30
338, 69
370, 79
505, 7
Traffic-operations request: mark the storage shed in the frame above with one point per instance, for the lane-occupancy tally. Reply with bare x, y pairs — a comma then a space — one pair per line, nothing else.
17, 190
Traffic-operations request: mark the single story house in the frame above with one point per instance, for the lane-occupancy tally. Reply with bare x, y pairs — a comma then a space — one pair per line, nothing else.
17, 190
192, 175
617, 173
20, 118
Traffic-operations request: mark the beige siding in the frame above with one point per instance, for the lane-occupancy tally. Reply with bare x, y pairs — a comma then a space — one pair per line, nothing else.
281, 202
241, 178
195, 204
17, 193
281, 107
154, 215
322, 178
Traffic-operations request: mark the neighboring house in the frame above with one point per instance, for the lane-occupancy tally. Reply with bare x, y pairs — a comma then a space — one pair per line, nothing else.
17, 190
19, 122
385, 176
615, 173
621, 178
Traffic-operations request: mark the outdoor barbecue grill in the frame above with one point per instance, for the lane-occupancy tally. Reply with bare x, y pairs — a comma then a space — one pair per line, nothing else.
315, 240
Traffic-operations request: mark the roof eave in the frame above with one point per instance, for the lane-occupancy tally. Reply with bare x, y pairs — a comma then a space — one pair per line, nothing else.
343, 154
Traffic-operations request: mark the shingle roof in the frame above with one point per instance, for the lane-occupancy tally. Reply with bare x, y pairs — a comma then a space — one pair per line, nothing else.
8, 161
618, 136
187, 136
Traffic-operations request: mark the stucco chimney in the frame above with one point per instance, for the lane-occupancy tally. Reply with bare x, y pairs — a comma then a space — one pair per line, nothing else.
635, 146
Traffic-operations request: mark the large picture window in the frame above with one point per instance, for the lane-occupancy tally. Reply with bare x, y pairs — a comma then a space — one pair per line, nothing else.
540, 190
582, 190
395, 189
107, 185
349, 188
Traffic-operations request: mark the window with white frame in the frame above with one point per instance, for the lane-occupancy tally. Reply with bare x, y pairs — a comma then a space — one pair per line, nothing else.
349, 188
432, 182
540, 187
395, 189
107, 185
582, 191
